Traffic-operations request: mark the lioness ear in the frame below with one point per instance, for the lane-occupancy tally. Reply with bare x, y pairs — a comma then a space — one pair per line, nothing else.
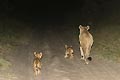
88, 27
80, 26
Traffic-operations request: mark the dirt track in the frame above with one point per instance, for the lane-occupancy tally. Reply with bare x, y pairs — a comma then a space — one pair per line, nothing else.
55, 67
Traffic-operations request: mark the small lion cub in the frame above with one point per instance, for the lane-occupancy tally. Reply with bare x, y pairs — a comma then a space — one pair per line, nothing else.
37, 63
69, 52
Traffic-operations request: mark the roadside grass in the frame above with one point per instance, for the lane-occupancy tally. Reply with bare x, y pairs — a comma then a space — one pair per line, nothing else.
4, 64
12, 33
8, 76
107, 43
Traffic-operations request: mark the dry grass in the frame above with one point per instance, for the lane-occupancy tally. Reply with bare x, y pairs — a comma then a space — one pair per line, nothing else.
4, 64
12, 33
107, 43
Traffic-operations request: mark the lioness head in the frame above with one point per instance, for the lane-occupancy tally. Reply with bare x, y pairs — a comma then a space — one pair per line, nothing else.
84, 27
38, 55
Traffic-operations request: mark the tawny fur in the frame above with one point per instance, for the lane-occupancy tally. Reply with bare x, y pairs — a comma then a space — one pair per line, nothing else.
68, 52
37, 63
86, 42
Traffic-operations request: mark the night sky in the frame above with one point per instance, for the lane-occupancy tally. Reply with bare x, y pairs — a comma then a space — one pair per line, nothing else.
45, 11
59, 12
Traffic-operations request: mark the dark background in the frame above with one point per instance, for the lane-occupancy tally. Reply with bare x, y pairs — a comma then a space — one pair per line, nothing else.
60, 12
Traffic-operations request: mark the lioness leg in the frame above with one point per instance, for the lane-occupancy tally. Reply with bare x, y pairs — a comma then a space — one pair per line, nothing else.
86, 62
82, 54
87, 55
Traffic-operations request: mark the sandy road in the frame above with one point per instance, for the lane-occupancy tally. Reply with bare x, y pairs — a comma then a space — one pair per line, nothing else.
55, 67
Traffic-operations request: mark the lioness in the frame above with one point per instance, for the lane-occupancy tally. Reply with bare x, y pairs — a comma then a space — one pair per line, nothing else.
68, 52
86, 41
37, 63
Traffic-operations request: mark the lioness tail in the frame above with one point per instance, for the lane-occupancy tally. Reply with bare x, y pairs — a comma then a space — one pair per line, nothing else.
89, 58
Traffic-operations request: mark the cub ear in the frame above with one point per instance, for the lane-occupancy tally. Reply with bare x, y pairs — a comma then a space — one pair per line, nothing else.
70, 46
34, 53
66, 46
41, 54
80, 26
88, 27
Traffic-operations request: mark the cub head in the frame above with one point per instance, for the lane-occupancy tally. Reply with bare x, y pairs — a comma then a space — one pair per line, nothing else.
82, 28
38, 55
66, 46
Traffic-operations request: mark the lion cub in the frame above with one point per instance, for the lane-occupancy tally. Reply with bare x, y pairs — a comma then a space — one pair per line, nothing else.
69, 52
37, 63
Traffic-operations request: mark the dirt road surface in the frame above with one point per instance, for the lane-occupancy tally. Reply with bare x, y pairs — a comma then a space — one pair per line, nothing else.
54, 66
